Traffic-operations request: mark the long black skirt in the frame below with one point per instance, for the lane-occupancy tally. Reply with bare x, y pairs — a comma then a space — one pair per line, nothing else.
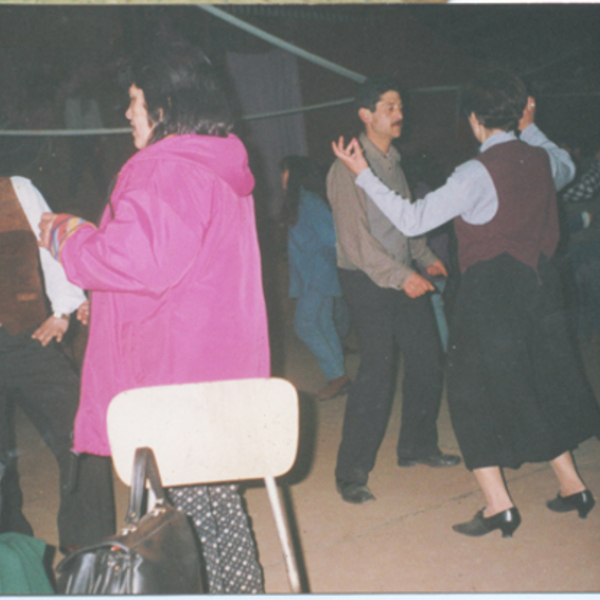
517, 391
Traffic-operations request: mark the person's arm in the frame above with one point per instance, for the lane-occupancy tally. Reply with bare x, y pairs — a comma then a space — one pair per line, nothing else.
425, 257
420, 251
469, 192
54, 327
563, 168
320, 217
587, 186
146, 248
83, 313
353, 231
63, 295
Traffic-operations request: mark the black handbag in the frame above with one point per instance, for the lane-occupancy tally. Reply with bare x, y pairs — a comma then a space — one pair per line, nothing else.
156, 553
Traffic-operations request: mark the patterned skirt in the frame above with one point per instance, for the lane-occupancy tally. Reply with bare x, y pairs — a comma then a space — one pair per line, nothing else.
228, 549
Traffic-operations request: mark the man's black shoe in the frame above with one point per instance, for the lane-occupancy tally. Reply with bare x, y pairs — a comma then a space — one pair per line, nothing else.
355, 493
437, 460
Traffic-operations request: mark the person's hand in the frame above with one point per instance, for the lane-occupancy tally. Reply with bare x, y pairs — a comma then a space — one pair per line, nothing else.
437, 268
416, 286
528, 114
83, 312
46, 223
352, 155
52, 328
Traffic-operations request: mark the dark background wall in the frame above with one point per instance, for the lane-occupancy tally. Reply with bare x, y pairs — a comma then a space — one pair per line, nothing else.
554, 46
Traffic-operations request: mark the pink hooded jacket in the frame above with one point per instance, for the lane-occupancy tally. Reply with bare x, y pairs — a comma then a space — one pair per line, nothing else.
175, 275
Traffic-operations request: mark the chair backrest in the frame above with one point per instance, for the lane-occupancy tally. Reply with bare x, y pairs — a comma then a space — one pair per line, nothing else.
207, 432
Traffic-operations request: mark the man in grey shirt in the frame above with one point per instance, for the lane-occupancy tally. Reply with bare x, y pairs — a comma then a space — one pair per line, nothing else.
388, 304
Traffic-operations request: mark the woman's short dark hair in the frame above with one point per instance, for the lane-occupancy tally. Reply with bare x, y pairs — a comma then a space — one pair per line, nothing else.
497, 97
181, 91
305, 173
369, 93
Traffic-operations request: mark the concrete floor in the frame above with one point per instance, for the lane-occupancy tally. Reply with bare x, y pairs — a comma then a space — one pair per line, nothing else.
403, 541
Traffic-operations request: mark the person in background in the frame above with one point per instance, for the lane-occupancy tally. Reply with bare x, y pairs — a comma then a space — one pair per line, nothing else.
313, 276
587, 184
175, 277
580, 243
36, 376
515, 388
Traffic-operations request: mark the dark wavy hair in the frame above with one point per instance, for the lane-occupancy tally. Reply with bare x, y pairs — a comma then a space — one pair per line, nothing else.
369, 93
181, 91
497, 97
305, 173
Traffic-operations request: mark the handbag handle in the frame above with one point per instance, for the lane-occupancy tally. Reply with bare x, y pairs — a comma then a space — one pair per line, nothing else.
144, 468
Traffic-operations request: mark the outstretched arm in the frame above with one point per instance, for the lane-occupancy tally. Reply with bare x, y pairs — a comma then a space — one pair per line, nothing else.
138, 251
587, 186
563, 168
356, 243
63, 295
469, 192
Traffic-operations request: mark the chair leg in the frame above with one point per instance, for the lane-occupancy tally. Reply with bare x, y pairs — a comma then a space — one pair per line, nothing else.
284, 538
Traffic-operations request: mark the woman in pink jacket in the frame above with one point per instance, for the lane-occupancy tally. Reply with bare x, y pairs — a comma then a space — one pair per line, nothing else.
175, 278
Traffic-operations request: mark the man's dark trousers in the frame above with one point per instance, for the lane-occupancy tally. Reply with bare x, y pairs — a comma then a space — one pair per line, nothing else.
41, 381
382, 317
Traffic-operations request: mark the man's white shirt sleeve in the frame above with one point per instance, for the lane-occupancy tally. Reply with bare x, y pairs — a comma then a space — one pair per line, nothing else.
64, 296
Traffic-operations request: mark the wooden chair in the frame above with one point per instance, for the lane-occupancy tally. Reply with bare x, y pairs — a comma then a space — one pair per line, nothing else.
212, 432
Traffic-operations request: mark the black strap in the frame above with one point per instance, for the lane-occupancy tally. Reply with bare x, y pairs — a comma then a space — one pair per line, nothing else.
144, 468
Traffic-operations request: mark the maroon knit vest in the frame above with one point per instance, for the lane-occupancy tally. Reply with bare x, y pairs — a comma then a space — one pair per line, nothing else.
526, 223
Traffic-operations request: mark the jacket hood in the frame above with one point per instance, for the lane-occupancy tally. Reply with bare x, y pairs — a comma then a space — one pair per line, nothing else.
226, 157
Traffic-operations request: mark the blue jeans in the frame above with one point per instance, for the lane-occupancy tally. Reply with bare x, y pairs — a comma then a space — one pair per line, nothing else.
314, 324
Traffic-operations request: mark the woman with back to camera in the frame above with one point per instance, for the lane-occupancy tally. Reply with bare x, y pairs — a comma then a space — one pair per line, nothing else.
313, 271
175, 278
515, 389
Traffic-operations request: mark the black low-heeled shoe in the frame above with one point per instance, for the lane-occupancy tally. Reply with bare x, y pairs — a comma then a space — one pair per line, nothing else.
582, 502
507, 521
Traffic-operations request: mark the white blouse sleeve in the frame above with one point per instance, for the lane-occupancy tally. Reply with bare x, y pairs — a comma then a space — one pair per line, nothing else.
64, 296
469, 193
